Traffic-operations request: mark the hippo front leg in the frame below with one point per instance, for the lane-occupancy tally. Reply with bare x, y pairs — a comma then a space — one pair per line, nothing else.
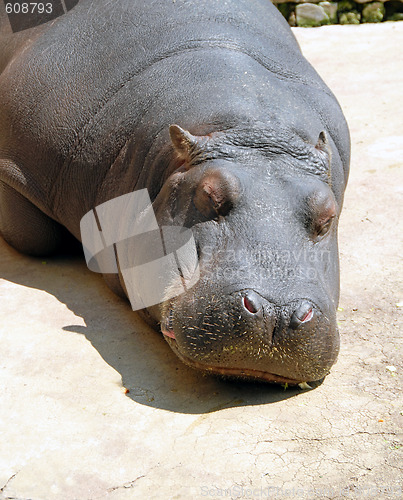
25, 227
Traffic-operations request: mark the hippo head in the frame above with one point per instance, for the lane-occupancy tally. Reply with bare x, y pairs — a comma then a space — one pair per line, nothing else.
264, 217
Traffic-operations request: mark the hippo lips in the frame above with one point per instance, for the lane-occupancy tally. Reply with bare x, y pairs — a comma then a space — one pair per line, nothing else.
167, 327
169, 334
227, 372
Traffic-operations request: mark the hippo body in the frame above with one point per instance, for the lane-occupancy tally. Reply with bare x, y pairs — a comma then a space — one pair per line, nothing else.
256, 167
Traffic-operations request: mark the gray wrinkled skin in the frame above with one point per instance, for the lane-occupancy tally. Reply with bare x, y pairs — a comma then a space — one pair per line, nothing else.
257, 166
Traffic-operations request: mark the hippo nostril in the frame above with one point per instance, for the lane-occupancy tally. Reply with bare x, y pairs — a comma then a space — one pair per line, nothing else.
303, 314
250, 305
307, 317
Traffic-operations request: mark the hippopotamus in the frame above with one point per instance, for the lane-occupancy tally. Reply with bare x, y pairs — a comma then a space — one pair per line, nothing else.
210, 107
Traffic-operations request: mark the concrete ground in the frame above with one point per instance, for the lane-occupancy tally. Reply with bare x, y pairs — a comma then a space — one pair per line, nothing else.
69, 347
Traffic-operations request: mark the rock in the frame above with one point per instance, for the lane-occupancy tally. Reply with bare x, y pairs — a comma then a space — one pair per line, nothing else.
394, 11
330, 9
292, 20
352, 17
278, 2
286, 9
345, 6
309, 15
368, 1
373, 12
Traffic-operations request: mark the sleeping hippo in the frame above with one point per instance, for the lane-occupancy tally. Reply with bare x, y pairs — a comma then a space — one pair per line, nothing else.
210, 109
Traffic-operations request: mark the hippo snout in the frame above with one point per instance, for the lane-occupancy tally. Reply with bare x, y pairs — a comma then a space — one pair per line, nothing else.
255, 304
246, 335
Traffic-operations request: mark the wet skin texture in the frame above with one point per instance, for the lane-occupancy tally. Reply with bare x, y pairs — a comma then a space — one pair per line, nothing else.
257, 166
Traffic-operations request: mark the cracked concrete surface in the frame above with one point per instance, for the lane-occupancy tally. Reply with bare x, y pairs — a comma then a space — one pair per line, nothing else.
69, 347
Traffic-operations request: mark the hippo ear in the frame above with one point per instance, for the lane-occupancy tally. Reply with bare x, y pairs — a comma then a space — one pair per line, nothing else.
323, 144
324, 150
184, 142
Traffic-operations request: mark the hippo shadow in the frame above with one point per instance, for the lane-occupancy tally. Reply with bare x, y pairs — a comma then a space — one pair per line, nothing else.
151, 372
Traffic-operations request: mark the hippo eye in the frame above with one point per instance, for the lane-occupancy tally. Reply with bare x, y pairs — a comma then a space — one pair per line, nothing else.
216, 193
320, 211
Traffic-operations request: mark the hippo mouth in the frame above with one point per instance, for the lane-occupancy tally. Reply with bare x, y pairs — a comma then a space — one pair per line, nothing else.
244, 374
167, 327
